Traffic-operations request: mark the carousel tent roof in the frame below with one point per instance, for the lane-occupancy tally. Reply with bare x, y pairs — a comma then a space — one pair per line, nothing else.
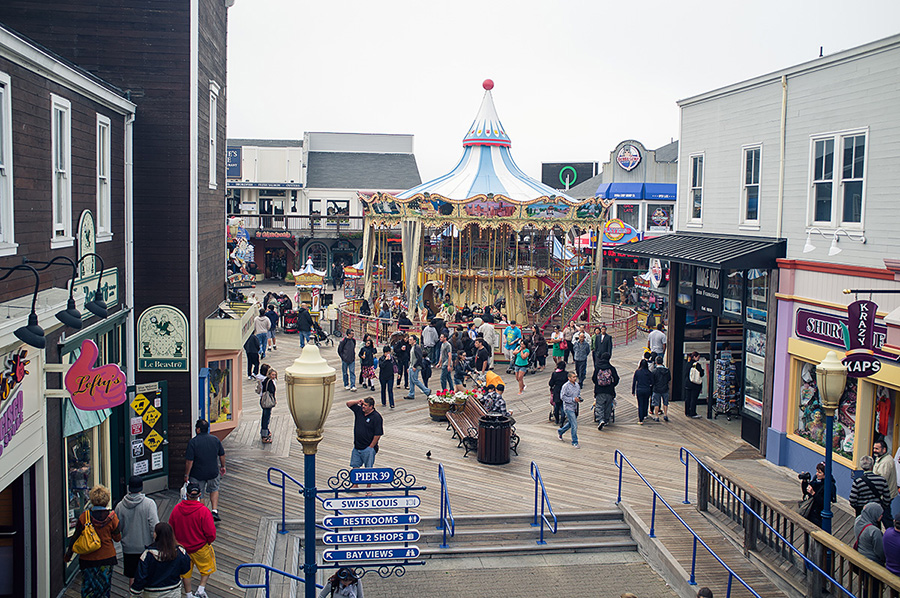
486, 166
309, 269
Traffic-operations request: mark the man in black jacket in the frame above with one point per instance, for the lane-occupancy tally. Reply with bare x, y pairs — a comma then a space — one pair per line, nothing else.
416, 363
347, 352
304, 324
600, 344
605, 380
252, 349
692, 389
659, 401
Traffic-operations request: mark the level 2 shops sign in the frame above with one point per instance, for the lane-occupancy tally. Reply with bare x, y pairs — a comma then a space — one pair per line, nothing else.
858, 334
162, 337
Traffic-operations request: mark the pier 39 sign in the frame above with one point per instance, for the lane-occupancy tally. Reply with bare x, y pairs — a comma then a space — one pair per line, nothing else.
857, 333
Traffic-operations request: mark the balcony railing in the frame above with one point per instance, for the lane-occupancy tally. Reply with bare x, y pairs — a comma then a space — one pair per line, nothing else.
300, 222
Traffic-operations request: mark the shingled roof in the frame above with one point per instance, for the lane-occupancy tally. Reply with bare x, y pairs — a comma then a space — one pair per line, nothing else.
358, 170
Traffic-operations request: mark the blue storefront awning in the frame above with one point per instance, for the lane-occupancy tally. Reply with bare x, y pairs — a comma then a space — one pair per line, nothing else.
601, 190
660, 191
625, 191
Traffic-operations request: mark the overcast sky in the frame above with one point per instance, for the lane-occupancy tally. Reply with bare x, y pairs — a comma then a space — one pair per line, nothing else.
572, 78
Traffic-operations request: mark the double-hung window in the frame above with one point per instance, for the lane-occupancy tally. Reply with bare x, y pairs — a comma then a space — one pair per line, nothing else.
750, 184
7, 237
61, 147
696, 194
213, 132
837, 192
104, 201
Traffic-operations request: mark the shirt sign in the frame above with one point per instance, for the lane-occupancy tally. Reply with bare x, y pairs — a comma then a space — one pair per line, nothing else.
372, 502
829, 329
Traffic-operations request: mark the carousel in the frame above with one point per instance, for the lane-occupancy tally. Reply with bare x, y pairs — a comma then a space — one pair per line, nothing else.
486, 234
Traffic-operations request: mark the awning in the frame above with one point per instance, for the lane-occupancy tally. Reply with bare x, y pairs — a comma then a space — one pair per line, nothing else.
665, 191
727, 252
660, 191
76, 421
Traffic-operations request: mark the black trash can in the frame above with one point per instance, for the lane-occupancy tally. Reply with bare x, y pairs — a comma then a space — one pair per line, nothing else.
494, 431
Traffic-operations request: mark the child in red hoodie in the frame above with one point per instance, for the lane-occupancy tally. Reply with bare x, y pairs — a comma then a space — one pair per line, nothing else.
196, 531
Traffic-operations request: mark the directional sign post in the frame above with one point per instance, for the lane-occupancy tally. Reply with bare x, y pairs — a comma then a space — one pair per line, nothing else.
372, 537
374, 519
371, 554
372, 502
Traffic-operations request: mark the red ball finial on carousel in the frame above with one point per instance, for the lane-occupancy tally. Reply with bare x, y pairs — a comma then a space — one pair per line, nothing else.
488, 84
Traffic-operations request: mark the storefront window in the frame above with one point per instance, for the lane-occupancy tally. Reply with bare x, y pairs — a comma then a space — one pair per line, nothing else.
757, 290
319, 255
659, 218
685, 286
734, 292
220, 384
630, 214
811, 416
885, 399
754, 371
338, 210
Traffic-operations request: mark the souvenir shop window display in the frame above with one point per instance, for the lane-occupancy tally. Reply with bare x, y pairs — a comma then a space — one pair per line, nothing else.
884, 410
811, 417
80, 458
220, 373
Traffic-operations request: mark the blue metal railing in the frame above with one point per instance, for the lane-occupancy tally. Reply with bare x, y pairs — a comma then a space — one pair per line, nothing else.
619, 458
544, 500
286, 476
685, 455
446, 520
268, 571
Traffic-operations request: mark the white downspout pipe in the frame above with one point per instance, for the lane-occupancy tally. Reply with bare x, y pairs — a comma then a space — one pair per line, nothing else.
781, 159
129, 247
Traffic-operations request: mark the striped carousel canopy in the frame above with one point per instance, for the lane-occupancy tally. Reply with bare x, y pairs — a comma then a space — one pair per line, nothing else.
486, 166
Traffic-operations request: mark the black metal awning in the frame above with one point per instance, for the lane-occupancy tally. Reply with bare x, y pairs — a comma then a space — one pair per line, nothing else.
709, 250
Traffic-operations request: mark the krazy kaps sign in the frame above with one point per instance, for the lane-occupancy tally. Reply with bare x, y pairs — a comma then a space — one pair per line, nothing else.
858, 333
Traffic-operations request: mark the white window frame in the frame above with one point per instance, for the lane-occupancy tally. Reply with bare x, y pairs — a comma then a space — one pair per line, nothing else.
837, 181
745, 222
632, 202
61, 172
213, 132
691, 219
8, 245
104, 184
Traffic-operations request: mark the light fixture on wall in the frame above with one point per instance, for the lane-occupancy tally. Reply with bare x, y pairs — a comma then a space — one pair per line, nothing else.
808, 247
32, 333
71, 316
834, 249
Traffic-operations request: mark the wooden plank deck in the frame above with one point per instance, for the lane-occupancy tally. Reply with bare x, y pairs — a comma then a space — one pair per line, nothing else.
575, 479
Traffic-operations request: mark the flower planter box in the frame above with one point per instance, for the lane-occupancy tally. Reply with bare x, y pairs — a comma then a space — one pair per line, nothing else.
438, 411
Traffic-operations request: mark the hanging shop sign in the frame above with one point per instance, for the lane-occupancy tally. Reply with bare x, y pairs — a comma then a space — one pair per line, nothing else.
94, 388
708, 290
264, 233
829, 329
659, 275
628, 157
13, 403
233, 162
162, 338
87, 286
87, 243
661, 219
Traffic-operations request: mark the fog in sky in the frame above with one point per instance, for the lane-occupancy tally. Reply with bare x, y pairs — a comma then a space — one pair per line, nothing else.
572, 78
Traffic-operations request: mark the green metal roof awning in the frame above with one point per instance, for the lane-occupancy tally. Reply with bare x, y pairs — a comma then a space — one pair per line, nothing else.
707, 250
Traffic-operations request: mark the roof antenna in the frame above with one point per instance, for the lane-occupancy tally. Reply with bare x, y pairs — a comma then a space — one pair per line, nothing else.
820, 51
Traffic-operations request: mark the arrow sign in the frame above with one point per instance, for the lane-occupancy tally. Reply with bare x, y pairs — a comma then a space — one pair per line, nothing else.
371, 554
372, 537
373, 520
372, 502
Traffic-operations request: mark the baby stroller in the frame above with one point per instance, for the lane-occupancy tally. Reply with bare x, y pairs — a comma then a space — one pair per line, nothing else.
319, 337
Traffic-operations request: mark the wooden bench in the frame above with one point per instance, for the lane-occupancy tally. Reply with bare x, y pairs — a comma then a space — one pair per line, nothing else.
463, 420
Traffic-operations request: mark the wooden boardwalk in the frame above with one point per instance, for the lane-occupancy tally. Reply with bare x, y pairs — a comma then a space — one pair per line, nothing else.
575, 479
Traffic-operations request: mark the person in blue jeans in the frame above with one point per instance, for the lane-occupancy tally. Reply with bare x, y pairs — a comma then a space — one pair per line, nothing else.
304, 324
347, 352
367, 431
261, 327
570, 396
416, 361
444, 364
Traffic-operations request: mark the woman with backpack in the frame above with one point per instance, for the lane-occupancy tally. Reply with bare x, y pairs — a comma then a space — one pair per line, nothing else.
267, 403
642, 387
161, 566
345, 583
96, 550
693, 384
605, 379
367, 363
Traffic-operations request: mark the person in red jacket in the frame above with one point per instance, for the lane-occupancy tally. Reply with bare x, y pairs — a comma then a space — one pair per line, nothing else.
196, 531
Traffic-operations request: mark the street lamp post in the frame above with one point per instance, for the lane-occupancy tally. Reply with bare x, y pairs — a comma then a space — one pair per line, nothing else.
310, 390
831, 377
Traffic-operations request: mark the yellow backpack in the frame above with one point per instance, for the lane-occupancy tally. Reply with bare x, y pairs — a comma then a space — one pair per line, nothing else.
89, 540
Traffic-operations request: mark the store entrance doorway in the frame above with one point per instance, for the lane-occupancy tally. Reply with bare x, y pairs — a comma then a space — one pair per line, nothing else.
16, 541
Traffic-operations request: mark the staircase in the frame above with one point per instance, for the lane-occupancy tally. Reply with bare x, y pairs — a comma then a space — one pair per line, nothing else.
476, 535
578, 299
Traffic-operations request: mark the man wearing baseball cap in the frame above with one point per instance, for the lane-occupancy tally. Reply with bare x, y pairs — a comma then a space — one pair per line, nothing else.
195, 530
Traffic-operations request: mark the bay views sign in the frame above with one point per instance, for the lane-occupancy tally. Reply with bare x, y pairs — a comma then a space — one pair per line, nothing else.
857, 333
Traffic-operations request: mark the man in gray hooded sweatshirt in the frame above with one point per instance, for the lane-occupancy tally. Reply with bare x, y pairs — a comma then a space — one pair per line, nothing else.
137, 517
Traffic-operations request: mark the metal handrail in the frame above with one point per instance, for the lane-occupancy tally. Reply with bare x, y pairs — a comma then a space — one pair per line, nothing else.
569, 297
446, 519
553, 290
285, 475
683, 455
544, 499
618, 458
268, 571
